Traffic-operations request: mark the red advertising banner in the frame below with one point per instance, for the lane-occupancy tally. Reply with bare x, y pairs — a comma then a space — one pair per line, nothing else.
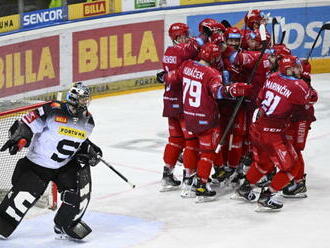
117, 50
29, 65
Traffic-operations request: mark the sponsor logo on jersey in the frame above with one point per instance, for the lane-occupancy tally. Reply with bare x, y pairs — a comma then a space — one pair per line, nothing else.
169, 59
76, 133
61, 119
31, 116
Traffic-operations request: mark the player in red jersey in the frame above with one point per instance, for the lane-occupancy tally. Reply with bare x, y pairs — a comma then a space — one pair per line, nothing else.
183, 48
232, 150
297, 133
202, 85
281, 95
251, 38
208, 27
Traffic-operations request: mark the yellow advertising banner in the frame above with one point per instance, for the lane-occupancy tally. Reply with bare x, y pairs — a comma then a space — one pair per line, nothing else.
9, 23
190, 2
88, 9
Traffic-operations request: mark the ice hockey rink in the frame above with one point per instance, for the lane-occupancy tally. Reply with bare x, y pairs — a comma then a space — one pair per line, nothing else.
132, 134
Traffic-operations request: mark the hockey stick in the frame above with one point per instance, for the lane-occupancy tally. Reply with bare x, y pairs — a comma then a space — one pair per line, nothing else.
274, 22
283, 28
117, 172
262, 30
226, 23
325, 26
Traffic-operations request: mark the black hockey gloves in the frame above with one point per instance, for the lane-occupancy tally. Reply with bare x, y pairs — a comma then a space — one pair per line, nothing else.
89, 153
20, 136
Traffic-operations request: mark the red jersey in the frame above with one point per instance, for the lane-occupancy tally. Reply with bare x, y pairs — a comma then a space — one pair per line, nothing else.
280, 97
245, 61
172, 59
201, 84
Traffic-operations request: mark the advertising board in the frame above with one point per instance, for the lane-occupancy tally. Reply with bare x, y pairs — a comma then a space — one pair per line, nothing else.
83, 10
301, 24
117, 50
43, 17
9, 23
29, 65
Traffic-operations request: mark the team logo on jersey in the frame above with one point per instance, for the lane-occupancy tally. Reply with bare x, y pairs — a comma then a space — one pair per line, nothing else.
76, 133
31, 116
61, 119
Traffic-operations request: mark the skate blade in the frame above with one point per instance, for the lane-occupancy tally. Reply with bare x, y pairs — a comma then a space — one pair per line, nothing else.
202, 199
296, 196
262, 209
169, 188
236, 196
2, 237
188, 195
66, 237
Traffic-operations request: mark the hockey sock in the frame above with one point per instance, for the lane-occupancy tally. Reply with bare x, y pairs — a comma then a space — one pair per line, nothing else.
190, 155
172, 151
301, 169
255, 172
280, 180
204, 166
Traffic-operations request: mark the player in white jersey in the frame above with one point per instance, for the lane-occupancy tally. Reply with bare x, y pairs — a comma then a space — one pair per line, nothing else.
59, 151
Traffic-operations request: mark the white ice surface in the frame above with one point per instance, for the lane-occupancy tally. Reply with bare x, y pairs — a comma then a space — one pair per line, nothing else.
132, 134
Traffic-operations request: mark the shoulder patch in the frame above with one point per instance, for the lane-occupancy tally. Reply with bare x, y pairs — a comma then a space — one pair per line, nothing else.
55, 105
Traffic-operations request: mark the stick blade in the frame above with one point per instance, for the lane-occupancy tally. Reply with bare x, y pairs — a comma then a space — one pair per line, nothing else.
326, 26
262, 30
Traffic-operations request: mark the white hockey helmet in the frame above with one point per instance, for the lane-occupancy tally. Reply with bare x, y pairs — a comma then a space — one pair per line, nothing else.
79, 97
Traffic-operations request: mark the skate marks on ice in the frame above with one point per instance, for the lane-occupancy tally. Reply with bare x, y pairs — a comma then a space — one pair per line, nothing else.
109, 231
153, 145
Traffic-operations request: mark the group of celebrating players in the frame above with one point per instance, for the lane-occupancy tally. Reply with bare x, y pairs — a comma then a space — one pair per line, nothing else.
226, 75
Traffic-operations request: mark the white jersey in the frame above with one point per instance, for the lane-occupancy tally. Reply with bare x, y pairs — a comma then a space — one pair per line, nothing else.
57, 134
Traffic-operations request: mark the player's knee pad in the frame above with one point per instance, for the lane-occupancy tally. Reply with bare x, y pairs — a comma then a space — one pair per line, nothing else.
74, 205
26, 191
176, 141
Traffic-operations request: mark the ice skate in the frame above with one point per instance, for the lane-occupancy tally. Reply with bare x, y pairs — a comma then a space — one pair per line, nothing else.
295, 189
189, 187
245, 192
266, 179
61, 235
235, 178
169, 181
268, 202
204, 193
222, 174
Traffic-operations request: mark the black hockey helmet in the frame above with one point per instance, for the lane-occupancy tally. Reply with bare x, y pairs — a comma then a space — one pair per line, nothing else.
79, 97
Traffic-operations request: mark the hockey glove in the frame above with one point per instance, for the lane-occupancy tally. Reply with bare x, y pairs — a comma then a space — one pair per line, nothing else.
160, 77
89, 154
238, 89
20, 136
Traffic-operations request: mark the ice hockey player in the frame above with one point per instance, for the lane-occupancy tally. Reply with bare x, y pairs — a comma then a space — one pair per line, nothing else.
282, 93
183, 48
253, 19
202, 85
232, 149
297, 133
59, 151
209, 27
